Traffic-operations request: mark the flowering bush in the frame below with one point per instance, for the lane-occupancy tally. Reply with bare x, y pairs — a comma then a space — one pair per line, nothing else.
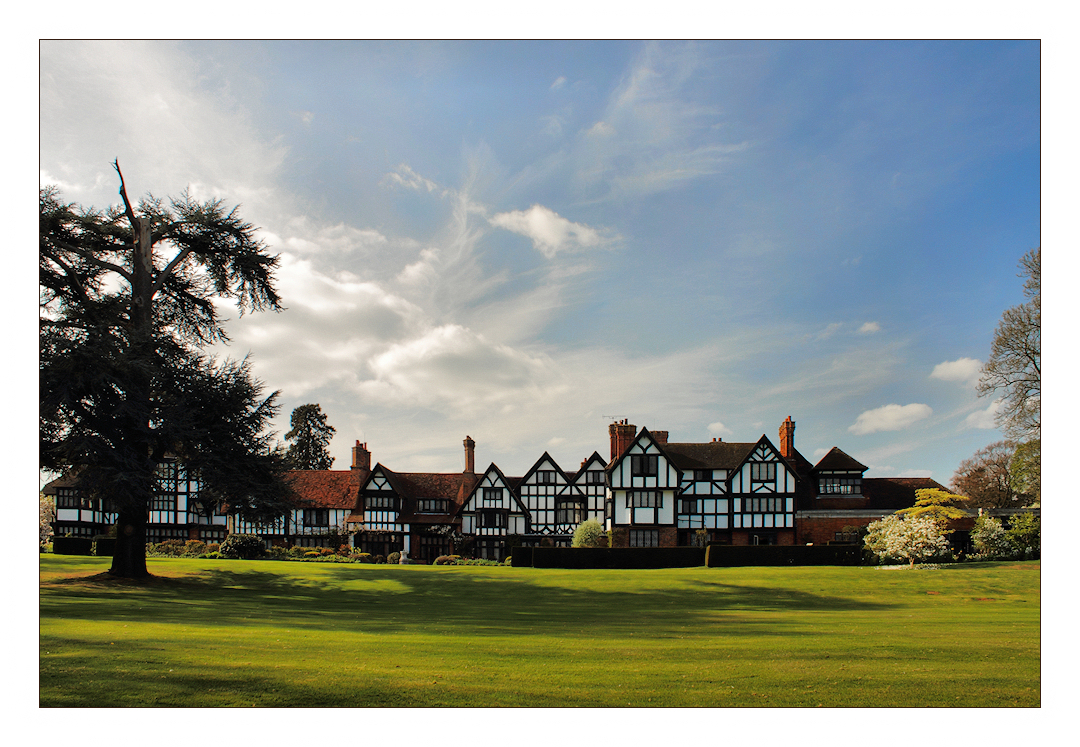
46, 517
896, 538
991, 541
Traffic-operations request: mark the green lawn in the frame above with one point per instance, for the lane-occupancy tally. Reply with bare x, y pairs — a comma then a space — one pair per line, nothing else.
266, 633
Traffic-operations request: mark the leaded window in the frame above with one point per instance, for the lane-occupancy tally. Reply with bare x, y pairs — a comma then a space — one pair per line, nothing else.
545, 477
380, 502
432, 505
594, 477
569, 513
762, 505
491, 519
644, 465
644, 538
688, 506
316, 517
644, 499
763, 471
838, 485
493, 496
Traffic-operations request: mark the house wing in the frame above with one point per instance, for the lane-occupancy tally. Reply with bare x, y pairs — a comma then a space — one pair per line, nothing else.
838, 460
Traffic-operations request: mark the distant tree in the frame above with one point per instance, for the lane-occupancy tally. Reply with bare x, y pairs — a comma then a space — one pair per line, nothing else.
1014, 369
985, 478
937, 505
310, 437
589, 533
910, 538
127, 300
1025, 472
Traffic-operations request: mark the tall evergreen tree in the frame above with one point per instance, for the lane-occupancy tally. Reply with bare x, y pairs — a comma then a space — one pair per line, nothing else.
126, 304
310, 437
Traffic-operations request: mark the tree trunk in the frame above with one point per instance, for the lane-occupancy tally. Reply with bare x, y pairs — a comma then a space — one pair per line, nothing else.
129, 556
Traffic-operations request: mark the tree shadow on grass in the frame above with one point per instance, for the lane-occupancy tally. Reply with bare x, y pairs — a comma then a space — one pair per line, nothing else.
383, 601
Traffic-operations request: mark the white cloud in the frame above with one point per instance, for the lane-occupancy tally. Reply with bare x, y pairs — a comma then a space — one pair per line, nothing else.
549, 231
559, 83
869, 328
601, 129
916, 473
983, 419
719, 429
890, 418
964, 370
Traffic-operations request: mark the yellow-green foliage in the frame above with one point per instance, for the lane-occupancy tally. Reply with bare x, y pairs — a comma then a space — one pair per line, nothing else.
937, 505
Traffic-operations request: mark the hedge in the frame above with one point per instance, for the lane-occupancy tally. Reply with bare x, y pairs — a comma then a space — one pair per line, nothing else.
73, 546
104, 546
727, 556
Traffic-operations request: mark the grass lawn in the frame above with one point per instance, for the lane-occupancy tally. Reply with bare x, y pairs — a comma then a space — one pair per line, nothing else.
265, 633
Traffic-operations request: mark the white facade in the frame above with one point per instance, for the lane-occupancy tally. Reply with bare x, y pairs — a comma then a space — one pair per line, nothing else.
492, 510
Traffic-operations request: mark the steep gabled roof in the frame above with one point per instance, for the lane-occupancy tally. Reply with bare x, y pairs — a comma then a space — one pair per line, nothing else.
838, 460
891, 493
545, 457
713, 455
324, 488
594, 459
453, 487
513, 484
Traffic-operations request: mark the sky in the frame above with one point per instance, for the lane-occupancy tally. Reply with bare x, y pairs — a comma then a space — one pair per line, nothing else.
525, 241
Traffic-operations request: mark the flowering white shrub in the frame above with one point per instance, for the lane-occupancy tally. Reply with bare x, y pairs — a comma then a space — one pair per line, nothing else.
46, 516
914, 538
991, 540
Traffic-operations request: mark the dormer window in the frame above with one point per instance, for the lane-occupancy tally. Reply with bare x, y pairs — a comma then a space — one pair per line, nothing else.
381, 502
493, 496
594, 477
432, 505
839, 485
545, 477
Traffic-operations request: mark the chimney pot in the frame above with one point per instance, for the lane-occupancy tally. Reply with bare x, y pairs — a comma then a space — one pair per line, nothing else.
361, 457
470, 455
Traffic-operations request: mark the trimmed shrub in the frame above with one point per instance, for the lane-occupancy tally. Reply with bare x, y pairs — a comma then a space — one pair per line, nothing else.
447, 560
312, 554
363, 557
393, 558
589, 533
215, 555
72, 546
380, 560
244, 546
104, 547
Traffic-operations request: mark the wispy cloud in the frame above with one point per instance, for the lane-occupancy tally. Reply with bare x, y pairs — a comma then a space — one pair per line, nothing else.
558, 83
983, 419
890, 418
869, 328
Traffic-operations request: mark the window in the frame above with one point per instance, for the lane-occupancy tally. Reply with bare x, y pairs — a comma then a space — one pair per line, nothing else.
688, 506
763, 471
762, 505
837, 485
432, 505
493, 496
545, 477
594, 477
764, 538
644, 499
644, 538
316, 517
384, 502
163, 501
569, 513
67, 498
643, 465
848, 538
491, 518
702, 475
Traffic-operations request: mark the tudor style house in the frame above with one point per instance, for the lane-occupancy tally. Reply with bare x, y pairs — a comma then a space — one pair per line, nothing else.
175, 512
650, 493
663, 494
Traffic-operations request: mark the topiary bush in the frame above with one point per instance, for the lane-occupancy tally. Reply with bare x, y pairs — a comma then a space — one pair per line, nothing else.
393, 558
380, 560
243, 546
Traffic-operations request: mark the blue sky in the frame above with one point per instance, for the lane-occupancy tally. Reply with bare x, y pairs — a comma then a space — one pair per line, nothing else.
521, 241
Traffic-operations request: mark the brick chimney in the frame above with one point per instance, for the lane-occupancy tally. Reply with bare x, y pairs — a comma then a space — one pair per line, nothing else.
622, 435
659, 436
361, 457
787, 438
470, 455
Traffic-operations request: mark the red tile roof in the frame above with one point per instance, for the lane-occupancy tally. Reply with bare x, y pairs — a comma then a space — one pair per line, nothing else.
325, 488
